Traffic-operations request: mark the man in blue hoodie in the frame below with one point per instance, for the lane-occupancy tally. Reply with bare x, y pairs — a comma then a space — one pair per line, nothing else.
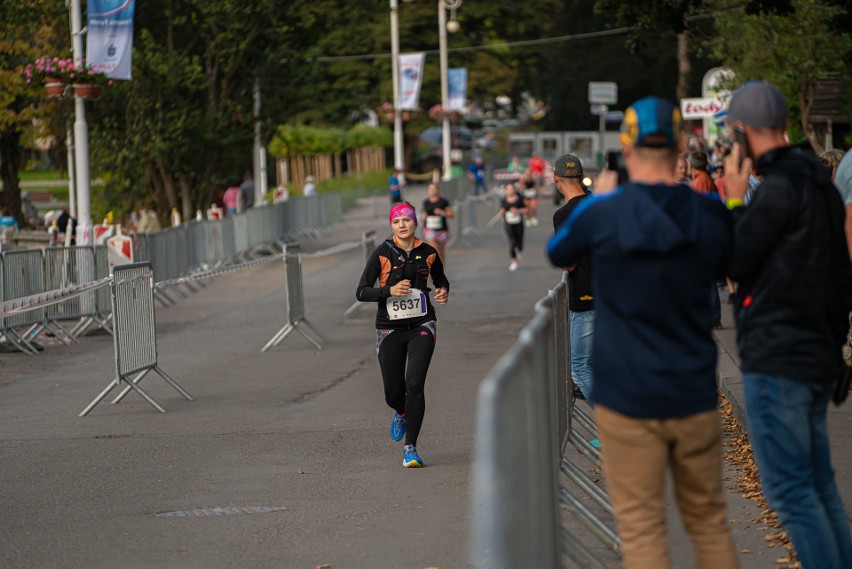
657, 248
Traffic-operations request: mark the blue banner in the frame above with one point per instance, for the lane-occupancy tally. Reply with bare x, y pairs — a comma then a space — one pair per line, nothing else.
457, 88
109, 40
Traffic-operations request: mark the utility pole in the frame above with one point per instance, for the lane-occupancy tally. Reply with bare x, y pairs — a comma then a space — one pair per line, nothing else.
259, 162
81, 135
446, 134
398, 161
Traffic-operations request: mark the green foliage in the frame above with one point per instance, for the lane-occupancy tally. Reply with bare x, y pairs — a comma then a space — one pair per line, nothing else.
303, 140
790, 51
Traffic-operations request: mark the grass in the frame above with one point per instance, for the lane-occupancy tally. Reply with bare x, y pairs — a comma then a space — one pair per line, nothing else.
41, 175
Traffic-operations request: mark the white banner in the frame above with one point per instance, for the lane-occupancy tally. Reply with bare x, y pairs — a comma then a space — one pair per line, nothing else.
109, 39
457, 87
700, 108
410, 79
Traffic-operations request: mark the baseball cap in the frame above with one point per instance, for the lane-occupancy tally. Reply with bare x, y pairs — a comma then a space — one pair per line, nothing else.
652, 122
568, 166
758, 104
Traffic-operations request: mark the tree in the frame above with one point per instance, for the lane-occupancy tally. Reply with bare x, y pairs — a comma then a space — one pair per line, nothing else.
30, 28
791, 50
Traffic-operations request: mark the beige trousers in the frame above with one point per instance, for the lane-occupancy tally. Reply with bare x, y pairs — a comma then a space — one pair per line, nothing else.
636, 454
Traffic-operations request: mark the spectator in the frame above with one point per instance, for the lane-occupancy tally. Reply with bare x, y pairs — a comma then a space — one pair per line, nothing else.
843, 182
701, 180
395, 187
232, 200
831, 159
476, 174
148, 220
795, 293
247, 190
682, 170
568, 175
654, 357
717, 173
516, 166
309, 189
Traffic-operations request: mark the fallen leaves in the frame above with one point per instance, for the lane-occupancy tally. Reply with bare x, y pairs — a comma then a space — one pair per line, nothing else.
739, 453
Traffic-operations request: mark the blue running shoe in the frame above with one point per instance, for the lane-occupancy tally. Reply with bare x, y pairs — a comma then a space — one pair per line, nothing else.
397, 428
410, 458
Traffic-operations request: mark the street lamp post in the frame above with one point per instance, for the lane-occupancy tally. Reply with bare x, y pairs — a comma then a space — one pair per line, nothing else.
397, 116
81, 136
446, 134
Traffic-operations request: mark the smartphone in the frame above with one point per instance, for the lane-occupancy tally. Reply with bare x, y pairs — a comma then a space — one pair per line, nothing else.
740, 138
615, 162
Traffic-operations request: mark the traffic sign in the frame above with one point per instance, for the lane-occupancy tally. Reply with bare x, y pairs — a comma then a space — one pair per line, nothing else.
605, 92
615, 116
596, 109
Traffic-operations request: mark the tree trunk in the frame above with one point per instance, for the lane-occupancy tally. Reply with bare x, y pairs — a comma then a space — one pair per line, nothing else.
185, 196
10, 164
168, 183
806, 101
684, 67
153, 180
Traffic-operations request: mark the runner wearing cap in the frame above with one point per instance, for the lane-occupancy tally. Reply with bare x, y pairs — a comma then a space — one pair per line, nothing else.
436, 210
406, 326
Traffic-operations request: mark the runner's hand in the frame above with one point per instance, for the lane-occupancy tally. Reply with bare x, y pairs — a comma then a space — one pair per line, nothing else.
401, 288
441, 295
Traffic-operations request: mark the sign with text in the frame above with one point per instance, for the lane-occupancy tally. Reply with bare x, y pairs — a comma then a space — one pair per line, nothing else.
699, 108
457, 88
605, 92
410, 79
109, 39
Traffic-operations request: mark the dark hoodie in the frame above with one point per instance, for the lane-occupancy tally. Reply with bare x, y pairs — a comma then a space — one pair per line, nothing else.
792, 266
657, 250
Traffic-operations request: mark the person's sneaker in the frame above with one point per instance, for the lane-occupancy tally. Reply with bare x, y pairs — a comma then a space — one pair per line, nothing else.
717, 325
595, 443
578, 394
513, 266
410, 458
397, 427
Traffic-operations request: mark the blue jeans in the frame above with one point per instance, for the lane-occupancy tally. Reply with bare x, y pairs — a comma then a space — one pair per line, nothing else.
788, 432
479, 184
582, 330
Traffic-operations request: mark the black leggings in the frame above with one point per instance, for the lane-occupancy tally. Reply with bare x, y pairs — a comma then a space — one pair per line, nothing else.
515, 231
404, 387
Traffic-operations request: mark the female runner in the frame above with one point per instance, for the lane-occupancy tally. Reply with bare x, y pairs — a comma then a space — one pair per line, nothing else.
512, 210
530, 193
405, 321
436, 230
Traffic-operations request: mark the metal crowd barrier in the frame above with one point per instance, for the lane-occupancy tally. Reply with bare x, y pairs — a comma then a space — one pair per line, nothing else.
135, 334
23, 275
368, 243
295, 303
65, 267
526, 431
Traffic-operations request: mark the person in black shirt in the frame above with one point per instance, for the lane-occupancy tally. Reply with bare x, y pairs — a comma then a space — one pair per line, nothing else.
568, 176
512, 210
406, 325
436, 230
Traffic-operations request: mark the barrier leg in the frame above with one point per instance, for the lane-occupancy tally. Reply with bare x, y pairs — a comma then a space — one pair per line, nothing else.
314, 329
146, 397
173, 383
353, 308
100, 397
307, 336
579, 553
278, 337
21, 342
602, 531
126, 390
59, 332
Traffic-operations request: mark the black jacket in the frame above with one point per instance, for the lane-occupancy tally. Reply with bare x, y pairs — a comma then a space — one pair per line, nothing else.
792, 265
389, 264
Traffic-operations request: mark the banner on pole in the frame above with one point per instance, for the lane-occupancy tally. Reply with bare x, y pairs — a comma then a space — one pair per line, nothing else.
457, 88
109, 39
410, 79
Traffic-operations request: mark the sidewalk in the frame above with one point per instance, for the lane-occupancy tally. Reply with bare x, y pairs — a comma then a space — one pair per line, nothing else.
731, 383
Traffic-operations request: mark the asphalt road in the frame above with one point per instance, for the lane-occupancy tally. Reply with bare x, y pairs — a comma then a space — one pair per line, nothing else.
299, 431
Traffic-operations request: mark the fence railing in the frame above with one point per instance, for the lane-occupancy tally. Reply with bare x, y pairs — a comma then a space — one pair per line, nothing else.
526, 478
